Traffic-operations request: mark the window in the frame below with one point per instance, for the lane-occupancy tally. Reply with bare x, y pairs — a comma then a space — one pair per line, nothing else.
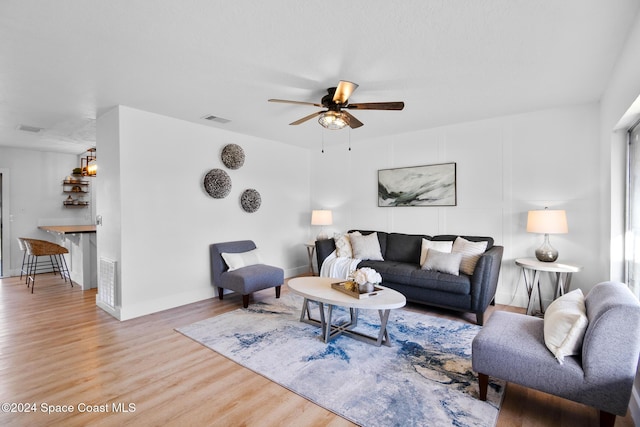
632, 239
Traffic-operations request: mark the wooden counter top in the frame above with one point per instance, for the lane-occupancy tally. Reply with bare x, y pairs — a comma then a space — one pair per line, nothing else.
69, 229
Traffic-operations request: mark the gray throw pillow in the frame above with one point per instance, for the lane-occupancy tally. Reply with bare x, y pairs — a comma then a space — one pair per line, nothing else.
443, 262
366, 247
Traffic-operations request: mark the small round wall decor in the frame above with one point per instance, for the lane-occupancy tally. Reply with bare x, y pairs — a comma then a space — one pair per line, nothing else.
250, 200
233, 156
217, 183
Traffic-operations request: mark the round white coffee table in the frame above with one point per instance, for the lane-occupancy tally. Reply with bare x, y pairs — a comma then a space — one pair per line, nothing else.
318, 289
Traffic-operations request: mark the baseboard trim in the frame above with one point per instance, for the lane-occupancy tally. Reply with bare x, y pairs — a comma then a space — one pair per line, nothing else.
142, 308
296, 271
112, 311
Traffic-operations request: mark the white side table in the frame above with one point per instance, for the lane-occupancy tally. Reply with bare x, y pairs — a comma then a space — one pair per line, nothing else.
560, 273
311, 248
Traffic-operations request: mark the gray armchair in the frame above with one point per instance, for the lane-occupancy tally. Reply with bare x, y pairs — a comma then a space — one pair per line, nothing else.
245, 280
511, 347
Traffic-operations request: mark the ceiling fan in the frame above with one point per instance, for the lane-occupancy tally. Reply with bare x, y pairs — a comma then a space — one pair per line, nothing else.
335, 102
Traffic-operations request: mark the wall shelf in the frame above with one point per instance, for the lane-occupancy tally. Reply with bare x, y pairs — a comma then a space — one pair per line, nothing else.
76, 204
75, 186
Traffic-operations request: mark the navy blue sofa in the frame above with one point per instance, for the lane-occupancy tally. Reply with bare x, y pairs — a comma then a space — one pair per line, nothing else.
401, 271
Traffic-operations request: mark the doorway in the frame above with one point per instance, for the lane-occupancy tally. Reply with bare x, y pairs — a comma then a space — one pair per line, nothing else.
5, 238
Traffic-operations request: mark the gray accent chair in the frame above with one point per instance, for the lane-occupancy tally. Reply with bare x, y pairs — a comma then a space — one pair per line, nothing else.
245, 280
511, 347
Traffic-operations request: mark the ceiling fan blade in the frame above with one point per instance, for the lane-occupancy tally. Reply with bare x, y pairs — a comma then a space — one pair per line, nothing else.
376, 106
305, 118
353, 122
284, 101
344, 91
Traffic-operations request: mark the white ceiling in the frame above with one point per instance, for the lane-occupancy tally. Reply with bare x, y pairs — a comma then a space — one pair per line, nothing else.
64, 62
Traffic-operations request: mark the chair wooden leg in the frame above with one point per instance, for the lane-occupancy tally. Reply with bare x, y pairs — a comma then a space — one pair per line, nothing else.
607, 419
245, 301
220, 293
278, 291
483, 384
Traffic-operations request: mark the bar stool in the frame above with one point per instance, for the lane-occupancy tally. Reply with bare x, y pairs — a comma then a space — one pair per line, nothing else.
37, 248
27, 259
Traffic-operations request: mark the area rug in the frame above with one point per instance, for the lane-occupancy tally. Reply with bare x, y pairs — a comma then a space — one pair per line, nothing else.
423, 379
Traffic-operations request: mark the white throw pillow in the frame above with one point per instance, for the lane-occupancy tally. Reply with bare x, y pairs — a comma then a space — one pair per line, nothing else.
343, 245
366, 247
565, 323
242, 259
440, 246
470, 251
444, 262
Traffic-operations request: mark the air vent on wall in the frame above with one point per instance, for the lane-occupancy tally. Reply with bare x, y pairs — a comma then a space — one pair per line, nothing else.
216, 119
27, 128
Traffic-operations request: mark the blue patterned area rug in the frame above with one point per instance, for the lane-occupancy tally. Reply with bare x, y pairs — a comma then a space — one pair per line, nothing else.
423, 379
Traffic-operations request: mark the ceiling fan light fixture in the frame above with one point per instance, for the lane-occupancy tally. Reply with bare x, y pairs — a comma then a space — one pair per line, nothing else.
333, 120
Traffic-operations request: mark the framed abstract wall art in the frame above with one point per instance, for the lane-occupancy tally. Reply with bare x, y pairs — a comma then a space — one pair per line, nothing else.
429, 185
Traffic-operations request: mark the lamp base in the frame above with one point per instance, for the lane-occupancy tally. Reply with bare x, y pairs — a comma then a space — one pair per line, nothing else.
546, 252
322, 236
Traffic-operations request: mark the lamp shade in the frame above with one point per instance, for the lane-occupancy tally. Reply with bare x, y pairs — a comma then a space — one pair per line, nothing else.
321, 217
547, 221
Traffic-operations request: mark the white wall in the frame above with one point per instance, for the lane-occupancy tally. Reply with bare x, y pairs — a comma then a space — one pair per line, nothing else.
167, 221
620, 107
36, 196
108, 205
505, 167
617, 114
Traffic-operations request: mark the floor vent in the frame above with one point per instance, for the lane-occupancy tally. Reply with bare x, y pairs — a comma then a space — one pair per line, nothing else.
107, 282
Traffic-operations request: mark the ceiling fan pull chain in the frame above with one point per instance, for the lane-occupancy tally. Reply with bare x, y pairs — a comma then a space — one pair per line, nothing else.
349, 139
322, 133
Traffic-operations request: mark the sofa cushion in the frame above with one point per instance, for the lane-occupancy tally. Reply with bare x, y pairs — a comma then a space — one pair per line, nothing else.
343, 245
565, 323
470, 251
413, 275
236, 260
366, 247
382, 238
444, 246
452, 237
444, 262
441, 281
403, 248
252, 278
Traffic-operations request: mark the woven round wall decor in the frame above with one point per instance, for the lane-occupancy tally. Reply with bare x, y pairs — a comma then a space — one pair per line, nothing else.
217, 183
250, 200
233, 156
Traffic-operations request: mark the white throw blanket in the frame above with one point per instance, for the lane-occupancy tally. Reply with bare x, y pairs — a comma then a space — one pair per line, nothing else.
338, 267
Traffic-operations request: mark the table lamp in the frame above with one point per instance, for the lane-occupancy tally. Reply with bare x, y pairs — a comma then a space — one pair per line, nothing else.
547, 221
321, 218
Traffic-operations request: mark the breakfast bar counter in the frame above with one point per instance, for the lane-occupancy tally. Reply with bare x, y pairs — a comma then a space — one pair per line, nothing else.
80, 240
68, 229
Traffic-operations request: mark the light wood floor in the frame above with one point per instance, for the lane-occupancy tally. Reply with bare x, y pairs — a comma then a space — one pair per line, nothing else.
58, 348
